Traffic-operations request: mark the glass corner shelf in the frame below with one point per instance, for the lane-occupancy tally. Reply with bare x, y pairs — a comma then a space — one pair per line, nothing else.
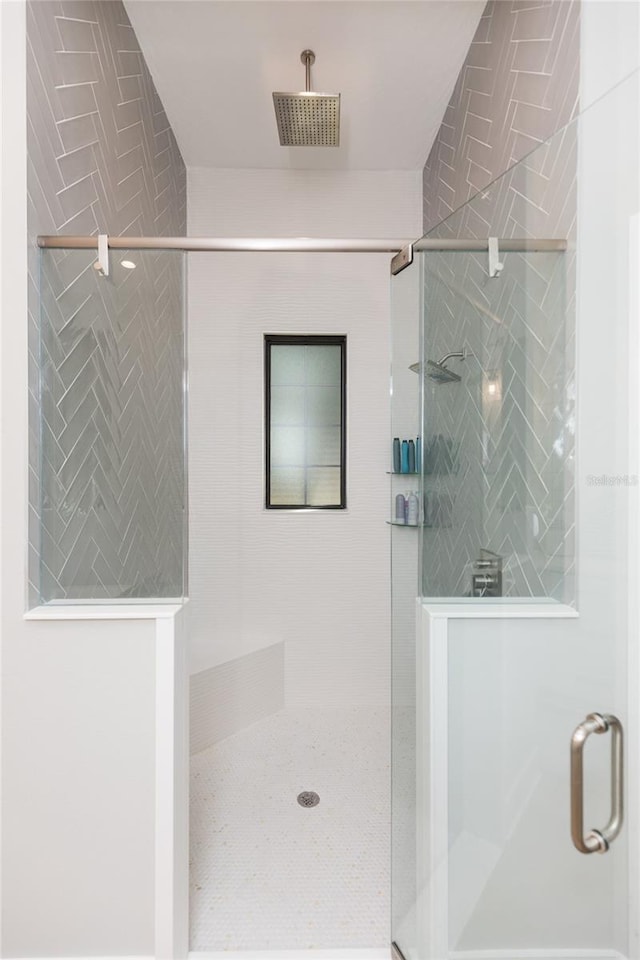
399, 523
394, 473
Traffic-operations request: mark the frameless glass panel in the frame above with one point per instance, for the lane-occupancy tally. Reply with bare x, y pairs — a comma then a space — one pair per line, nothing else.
499, 427
405, 416
112, 458
305, 435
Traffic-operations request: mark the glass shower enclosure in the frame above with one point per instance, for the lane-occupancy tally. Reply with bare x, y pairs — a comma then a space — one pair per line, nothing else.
516, 361
108, 481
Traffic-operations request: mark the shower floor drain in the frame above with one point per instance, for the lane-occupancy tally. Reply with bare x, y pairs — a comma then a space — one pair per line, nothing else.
308, 799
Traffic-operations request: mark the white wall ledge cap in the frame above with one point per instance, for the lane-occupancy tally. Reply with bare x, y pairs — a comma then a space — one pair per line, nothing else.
105, 611
521, 611
353, 953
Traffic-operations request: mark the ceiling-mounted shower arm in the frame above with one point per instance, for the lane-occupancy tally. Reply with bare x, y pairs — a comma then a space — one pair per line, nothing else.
308, 57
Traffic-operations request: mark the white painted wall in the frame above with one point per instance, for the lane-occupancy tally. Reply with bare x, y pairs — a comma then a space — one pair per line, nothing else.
79, 788
609, 44
319, 582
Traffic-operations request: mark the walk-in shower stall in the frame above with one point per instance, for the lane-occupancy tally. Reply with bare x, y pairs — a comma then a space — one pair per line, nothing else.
515, 361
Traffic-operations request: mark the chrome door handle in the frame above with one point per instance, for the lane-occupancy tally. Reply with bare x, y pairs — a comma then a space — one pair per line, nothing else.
596, 841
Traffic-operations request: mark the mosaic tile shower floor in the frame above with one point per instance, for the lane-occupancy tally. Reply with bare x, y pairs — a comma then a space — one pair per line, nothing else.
269, 874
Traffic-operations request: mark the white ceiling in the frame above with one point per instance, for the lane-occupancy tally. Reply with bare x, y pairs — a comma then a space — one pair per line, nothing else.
216, 62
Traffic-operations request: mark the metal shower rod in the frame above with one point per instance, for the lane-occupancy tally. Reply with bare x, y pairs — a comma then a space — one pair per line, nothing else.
234, 244
295, 244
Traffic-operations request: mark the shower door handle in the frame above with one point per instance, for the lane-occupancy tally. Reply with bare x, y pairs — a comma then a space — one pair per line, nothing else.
596, 841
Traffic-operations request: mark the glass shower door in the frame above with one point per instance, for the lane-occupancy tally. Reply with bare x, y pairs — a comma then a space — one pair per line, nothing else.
527, 570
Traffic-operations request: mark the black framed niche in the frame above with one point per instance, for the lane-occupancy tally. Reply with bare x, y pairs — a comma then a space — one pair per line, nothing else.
305, 422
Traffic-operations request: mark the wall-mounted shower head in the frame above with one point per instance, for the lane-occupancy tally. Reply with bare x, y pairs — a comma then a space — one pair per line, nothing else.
441, 374
437, 371
308, 119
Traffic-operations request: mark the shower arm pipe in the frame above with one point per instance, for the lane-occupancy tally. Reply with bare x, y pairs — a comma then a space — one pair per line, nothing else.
296, 244
458, 355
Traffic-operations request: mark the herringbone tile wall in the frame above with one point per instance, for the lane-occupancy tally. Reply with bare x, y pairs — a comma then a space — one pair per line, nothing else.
107, 489
502, 456
502, 465
518, 86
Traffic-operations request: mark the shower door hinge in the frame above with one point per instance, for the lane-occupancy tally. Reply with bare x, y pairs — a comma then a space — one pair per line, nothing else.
402, 259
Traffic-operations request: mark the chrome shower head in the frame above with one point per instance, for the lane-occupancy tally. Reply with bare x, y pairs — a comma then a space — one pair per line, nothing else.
308, 119
437, 371
441, 374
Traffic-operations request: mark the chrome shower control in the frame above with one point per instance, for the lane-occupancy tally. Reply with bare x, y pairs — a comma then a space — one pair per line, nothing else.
486, 579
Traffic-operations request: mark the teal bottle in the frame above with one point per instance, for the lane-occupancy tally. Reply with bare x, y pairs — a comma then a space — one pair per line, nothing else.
404, 457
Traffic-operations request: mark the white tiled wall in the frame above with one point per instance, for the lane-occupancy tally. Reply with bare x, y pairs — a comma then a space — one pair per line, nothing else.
227, 698
317, 582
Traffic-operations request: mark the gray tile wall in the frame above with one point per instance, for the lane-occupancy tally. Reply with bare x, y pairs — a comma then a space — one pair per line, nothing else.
102, 158
514, 459
500, 466
518, 86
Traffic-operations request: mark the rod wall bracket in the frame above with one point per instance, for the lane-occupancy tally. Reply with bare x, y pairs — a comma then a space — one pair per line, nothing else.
102, 263
495, 266
402, 259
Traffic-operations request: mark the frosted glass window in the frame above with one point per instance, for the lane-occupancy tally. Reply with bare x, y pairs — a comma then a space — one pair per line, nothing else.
305, 390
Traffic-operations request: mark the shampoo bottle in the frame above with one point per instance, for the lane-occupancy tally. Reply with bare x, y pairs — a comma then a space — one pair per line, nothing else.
405, 457
412, 510
400, 508
396, 455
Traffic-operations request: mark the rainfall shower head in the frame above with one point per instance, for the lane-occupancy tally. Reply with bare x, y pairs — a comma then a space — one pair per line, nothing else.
438, 372
308, 119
